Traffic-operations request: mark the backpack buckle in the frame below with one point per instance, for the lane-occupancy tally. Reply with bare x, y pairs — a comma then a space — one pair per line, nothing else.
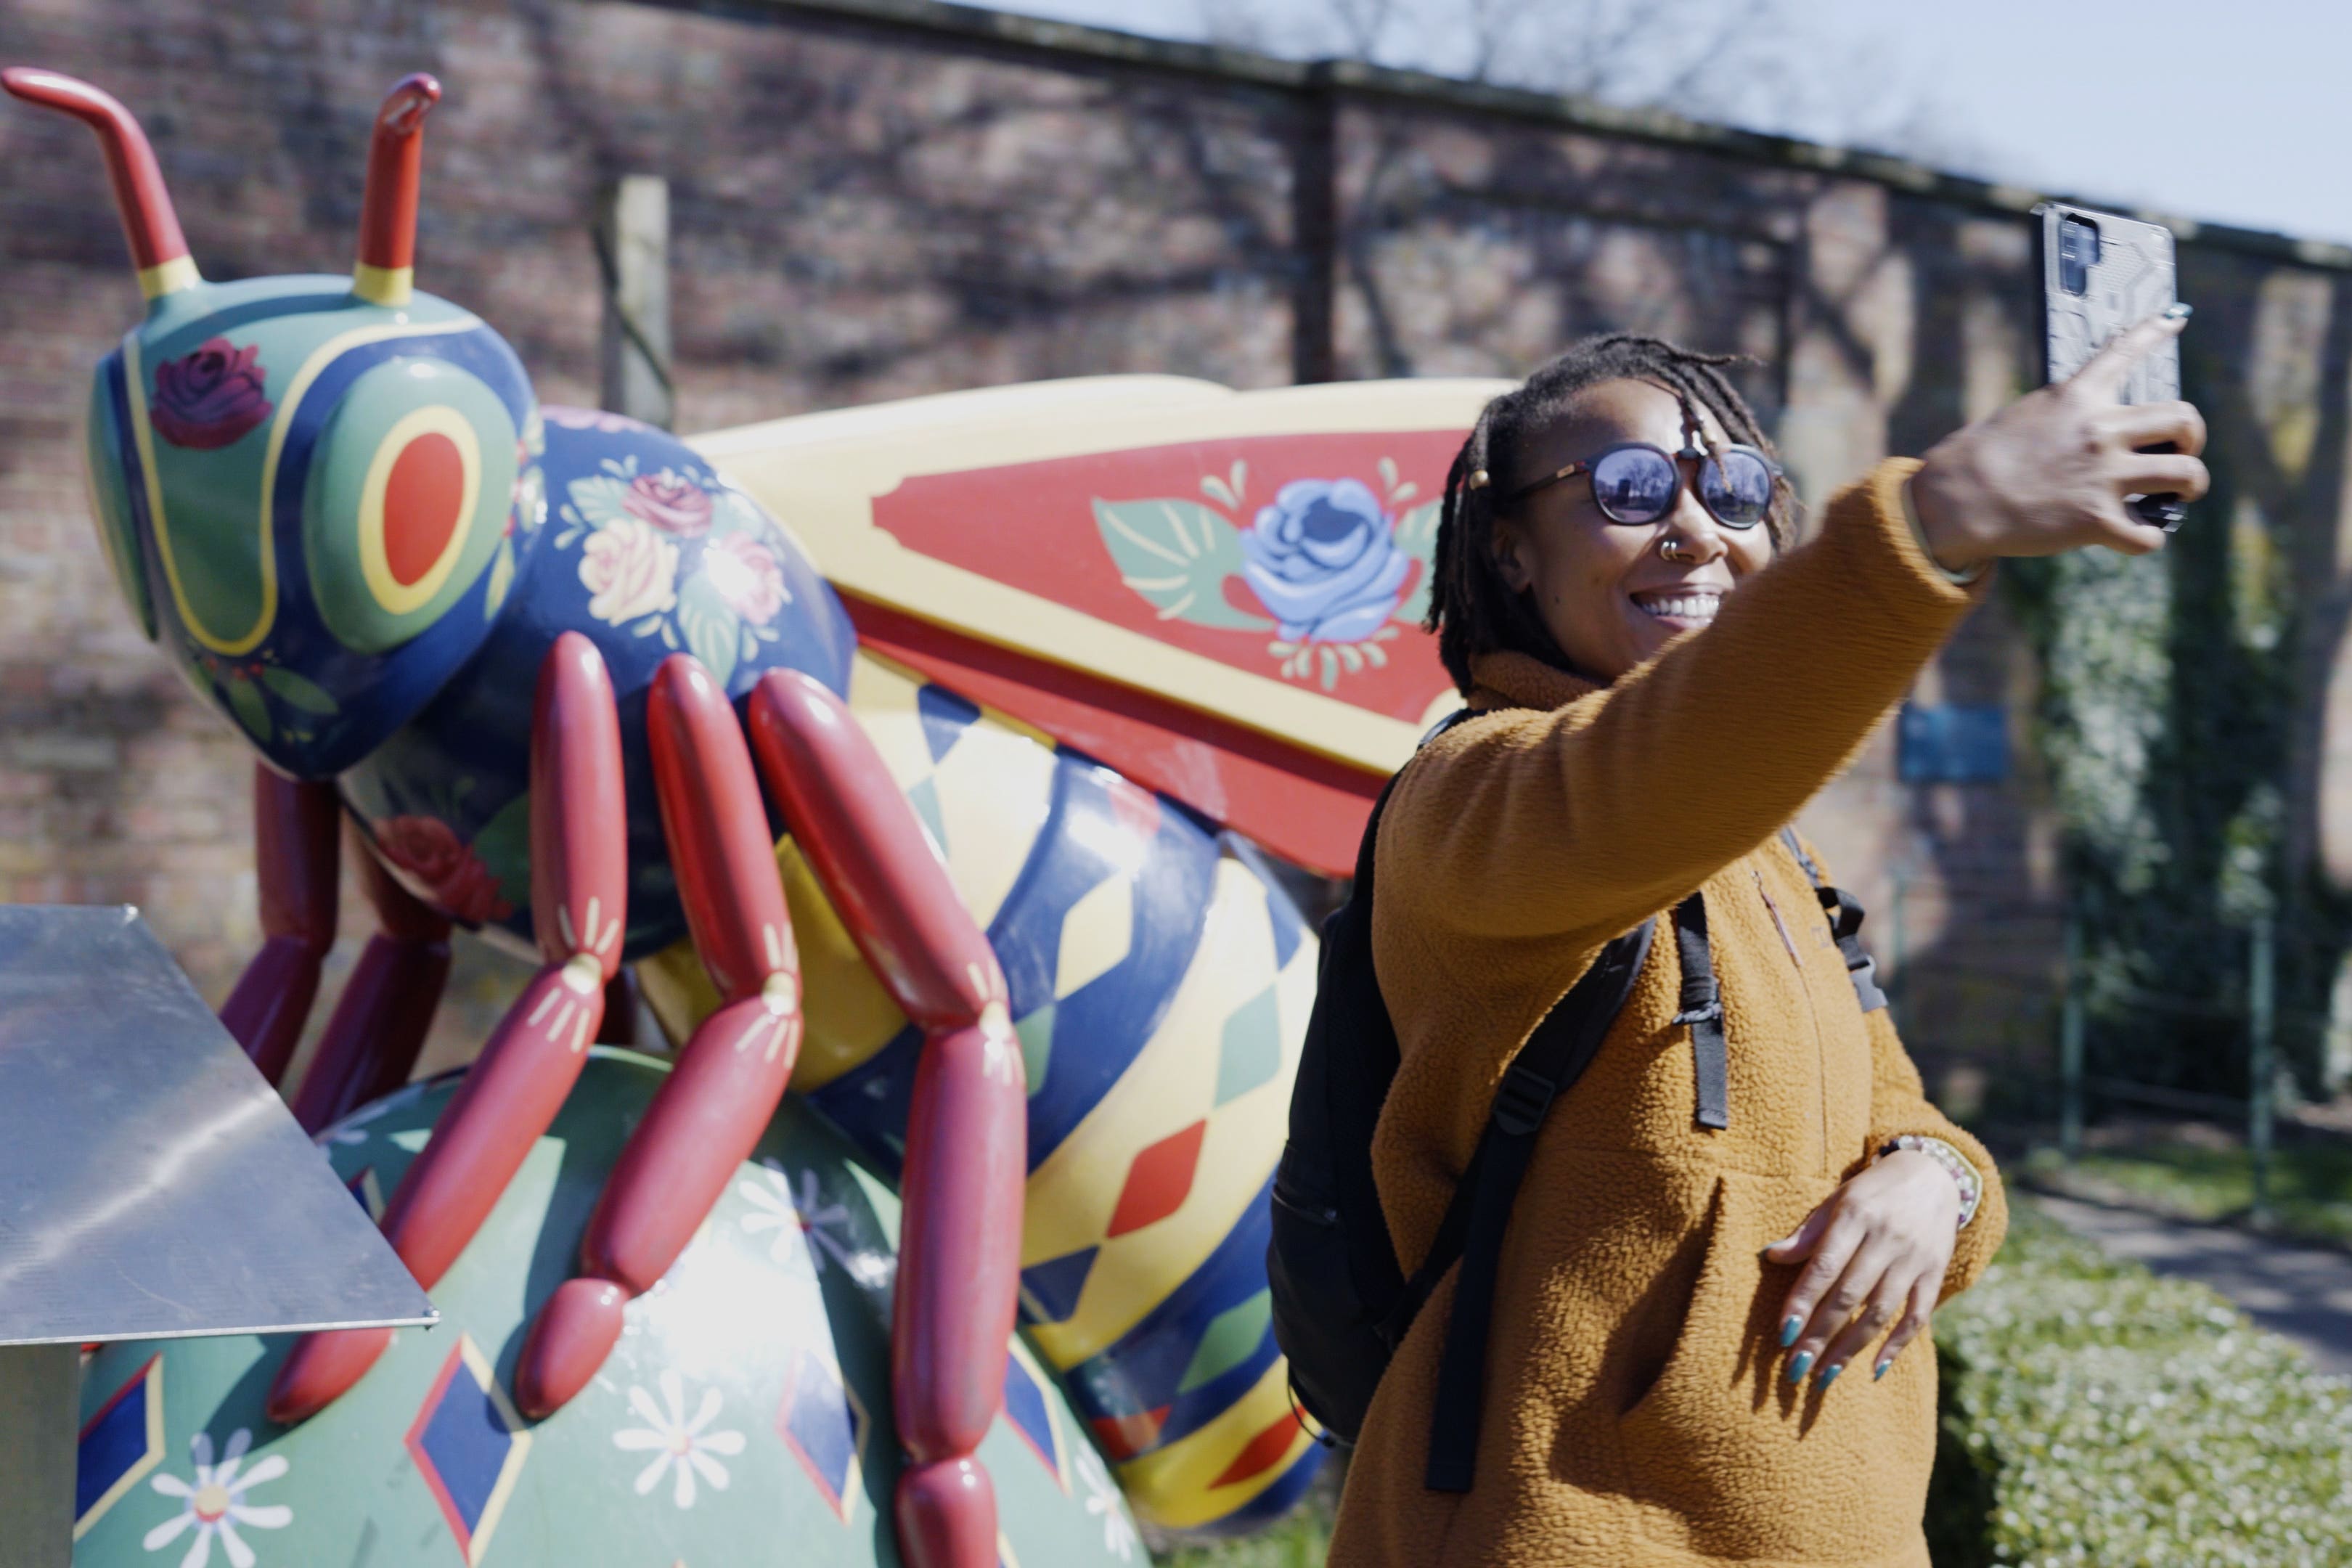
1844, 911
1521, 1100
1702, 1000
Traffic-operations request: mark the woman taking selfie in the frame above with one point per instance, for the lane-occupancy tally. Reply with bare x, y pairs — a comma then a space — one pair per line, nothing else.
1706, 1341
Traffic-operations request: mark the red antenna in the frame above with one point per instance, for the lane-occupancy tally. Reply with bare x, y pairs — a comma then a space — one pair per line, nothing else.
387, 272
157, 247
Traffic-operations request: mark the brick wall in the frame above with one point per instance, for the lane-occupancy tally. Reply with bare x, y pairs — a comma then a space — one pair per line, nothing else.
874, 199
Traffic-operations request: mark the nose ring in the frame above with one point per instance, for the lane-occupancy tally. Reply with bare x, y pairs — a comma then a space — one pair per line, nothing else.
1671, 548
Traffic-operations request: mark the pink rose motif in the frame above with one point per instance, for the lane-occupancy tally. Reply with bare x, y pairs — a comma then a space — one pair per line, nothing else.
425, 849
631, 571
207, 399
745, 576
671, 502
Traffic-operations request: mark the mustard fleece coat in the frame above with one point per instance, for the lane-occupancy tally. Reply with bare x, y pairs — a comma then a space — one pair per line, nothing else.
1635, 1412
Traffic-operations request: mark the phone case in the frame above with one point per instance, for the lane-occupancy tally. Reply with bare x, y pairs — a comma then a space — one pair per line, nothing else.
2131, 278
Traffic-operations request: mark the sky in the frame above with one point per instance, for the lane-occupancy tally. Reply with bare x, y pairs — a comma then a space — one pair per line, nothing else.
2230, 111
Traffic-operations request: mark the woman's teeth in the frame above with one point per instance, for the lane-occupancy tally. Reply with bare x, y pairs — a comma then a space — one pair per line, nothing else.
1681, 606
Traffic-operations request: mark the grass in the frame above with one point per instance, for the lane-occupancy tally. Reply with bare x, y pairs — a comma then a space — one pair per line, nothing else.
2310, 1184
1299, 1541
2096, 1413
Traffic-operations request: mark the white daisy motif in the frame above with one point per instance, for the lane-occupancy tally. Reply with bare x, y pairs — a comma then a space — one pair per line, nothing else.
677, 1441
998, 1060
775, 1209
1102, 1497
214, 1503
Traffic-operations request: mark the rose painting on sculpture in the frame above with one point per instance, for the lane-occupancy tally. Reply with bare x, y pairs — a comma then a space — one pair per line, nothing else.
207, 399
1302, 558
674, 555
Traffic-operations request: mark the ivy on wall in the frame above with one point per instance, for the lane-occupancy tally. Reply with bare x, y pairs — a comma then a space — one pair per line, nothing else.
2164, 726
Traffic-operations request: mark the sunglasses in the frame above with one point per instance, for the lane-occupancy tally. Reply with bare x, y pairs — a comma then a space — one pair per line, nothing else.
1636, 482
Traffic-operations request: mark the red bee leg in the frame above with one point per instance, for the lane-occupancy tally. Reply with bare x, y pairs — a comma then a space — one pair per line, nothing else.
579, 882
294, 860
379, 1022
710, 1111
967, 1133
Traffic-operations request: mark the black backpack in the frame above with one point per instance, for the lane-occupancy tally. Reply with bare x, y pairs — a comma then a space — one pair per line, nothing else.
1341, 1304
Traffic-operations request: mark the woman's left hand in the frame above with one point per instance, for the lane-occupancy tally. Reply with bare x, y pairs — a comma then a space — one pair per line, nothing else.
1879, 1246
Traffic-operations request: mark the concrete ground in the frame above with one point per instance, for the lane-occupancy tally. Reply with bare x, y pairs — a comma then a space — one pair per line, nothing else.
2304, 1293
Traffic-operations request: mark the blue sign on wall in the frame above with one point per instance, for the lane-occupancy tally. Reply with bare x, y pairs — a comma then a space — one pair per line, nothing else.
1955, 742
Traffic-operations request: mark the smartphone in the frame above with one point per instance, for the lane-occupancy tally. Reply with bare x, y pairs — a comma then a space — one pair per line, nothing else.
2100, 274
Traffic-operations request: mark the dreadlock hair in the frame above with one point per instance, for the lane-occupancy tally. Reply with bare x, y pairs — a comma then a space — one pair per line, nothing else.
1471, 608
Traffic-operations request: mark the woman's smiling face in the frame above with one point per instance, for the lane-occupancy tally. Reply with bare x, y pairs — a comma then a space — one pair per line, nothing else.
1607, 590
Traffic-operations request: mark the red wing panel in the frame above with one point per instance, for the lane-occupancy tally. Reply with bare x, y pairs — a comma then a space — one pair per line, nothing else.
1301, 557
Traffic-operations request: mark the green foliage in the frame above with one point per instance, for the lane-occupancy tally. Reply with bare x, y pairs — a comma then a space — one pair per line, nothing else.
1301, 1540
2095, 1413
2168, 682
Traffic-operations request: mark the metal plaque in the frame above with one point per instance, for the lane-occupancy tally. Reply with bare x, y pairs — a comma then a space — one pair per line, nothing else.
152, 1185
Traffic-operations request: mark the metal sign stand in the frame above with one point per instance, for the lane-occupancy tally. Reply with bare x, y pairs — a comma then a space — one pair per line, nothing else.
126, 1111
38, 1384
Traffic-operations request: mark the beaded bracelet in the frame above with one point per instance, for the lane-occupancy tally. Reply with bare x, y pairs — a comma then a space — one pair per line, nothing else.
1956, 1164
1919, 537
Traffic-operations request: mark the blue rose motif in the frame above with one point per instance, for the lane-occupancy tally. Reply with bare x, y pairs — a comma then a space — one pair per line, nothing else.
1323, 560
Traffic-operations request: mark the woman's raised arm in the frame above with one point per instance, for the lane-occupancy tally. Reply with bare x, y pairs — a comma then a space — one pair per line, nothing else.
1582, 820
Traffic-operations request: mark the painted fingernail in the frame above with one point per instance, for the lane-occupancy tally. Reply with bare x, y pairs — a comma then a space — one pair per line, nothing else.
1800, 1364
1880, 1369
1790, 1331
1829, 1376
2179, 311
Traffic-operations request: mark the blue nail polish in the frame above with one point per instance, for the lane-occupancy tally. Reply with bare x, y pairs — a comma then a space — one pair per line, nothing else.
2179, 311
1800, 1364
1880, 1369
1829, 1376
1789, 1332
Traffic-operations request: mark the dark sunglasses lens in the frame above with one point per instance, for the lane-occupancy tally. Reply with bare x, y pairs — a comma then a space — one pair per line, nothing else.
1635, 485
1737, 490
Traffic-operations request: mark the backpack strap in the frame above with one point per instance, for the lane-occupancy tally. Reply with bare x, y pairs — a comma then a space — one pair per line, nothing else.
1702, 1009
1554, 1057
1374, 1267
1844, 912
1447, 1246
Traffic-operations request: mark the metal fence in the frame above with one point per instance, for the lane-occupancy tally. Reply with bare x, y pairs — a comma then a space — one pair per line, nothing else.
2258, 1012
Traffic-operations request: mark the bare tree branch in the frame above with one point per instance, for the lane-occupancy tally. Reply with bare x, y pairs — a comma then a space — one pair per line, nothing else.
1363, 23
1749, 62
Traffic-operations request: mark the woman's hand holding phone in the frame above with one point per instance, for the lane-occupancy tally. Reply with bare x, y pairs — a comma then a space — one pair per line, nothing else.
2053, 471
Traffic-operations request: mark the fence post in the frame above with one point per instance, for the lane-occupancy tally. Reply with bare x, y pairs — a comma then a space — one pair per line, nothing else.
632, 236
2261, 1023
2070, 1040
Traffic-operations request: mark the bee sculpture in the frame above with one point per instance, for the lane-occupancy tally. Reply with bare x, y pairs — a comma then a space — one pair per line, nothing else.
539, 663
